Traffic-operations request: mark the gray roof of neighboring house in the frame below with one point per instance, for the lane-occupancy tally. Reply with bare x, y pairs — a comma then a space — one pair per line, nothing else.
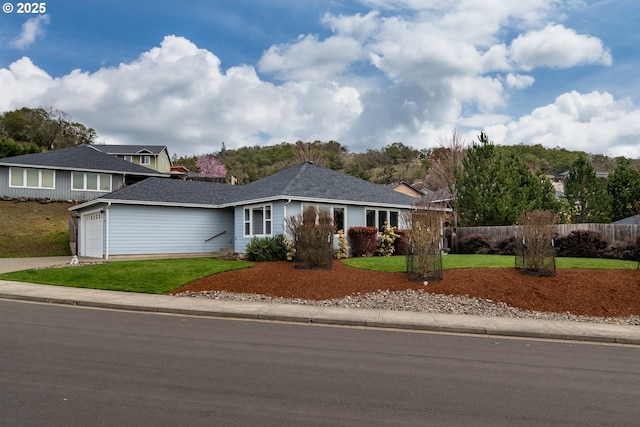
130, 149
174, 191
306, 181
635, 219
79, 158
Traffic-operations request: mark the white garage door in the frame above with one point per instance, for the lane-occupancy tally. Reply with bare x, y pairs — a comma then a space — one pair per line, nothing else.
92, 235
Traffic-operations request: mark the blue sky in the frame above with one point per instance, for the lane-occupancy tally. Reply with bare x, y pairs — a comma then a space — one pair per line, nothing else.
365, 73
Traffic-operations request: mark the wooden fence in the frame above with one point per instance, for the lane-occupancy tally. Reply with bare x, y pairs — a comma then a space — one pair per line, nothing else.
612, 232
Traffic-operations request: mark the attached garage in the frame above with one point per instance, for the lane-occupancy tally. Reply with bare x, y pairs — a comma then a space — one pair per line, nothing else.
92, 234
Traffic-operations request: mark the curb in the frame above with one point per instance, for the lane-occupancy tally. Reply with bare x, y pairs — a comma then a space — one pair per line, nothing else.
381, 319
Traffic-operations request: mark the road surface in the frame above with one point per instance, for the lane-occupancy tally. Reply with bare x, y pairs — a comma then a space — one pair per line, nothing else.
72, 366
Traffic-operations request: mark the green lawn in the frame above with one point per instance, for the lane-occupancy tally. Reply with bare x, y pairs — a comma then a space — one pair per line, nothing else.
160, 276
397, 263
150, 276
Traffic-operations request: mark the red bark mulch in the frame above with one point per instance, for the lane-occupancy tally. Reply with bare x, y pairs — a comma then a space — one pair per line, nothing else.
606, 293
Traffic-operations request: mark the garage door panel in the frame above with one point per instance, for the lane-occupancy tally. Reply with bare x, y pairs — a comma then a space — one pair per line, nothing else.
93, 235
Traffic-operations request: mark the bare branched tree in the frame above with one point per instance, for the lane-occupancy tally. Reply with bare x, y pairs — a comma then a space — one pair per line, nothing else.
445, 161
310, 152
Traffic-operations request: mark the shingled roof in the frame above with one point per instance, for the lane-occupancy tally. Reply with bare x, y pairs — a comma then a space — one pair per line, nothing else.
130, 149
83, 158
306, 181
174, 192
309, 181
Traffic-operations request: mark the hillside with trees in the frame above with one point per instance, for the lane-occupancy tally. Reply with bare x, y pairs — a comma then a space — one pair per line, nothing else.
492, 184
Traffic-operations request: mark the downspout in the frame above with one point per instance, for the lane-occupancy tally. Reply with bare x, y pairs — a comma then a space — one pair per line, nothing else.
285, 213
106, 216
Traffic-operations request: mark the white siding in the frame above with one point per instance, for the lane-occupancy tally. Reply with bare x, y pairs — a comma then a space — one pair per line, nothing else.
167, 230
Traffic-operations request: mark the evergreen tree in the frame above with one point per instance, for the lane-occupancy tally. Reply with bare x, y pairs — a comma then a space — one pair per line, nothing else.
586, 194
494, 189
623, 187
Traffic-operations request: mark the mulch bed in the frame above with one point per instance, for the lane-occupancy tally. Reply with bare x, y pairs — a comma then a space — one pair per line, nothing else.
606, 293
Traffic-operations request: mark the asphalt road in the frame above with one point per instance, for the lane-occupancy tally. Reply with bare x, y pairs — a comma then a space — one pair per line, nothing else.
70, 366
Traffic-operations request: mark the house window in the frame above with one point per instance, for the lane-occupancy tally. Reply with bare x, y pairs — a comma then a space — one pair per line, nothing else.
32, 178
145, 160
128, 158
82, 181
336, 213
377, 217
257, 221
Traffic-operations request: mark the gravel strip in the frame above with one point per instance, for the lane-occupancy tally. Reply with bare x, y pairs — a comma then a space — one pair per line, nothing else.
420, 301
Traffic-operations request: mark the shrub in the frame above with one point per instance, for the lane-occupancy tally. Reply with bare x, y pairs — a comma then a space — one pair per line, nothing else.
312, 232
506, 246
386, 239
343, 246
475, 244
401, 244
621, 250
424, 257
535, 254
363, 240
582, 243
267, 249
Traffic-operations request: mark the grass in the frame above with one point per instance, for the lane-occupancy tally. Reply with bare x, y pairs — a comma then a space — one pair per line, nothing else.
34, 229
398, 263
150, 276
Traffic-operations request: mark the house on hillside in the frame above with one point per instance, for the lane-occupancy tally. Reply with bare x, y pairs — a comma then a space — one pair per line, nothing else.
405, 188
159, 216
155, 157
75, 173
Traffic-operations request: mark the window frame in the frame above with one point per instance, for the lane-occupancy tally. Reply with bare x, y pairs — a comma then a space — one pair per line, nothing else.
388, 214
249, 218
14, 171
144, 157
99, 181
332, 211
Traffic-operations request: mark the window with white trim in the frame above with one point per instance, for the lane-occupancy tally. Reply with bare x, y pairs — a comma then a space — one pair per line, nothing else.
145, 160
377, 217
88, 181
32, 178
128, 158
257, 221
336, 213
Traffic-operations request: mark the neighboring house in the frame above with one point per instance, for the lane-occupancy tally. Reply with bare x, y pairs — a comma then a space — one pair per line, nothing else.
76, 173
155, 157
158, 216
405, 188
635, 219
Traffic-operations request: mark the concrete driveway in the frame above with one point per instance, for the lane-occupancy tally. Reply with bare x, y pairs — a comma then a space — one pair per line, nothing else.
16, 264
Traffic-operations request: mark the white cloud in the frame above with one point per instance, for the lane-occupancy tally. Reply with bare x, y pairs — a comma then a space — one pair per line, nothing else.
519, 81
557, 47
435, 66
31, 30
594, 122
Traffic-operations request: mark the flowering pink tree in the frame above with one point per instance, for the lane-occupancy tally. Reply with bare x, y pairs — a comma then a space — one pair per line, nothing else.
210, 166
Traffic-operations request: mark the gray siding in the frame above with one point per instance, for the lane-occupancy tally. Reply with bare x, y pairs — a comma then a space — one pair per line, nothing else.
137, 230
62, 190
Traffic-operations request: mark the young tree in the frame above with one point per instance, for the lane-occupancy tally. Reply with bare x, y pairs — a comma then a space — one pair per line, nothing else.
586, 194
210, 166
623, 186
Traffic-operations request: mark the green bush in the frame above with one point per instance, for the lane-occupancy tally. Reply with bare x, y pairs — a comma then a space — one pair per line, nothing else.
267, 249
364, 240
